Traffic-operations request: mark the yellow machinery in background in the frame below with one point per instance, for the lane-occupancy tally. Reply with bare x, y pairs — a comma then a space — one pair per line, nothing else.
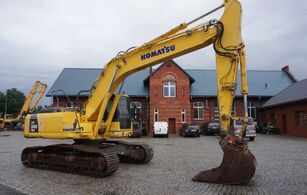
9, 121
6, 121
106, 111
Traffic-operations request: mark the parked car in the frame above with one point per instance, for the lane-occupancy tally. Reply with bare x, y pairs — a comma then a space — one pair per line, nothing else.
183, 126
189, 130
236, 126
160, 129
210, 128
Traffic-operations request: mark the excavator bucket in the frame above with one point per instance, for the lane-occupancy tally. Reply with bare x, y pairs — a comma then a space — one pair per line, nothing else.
238, 165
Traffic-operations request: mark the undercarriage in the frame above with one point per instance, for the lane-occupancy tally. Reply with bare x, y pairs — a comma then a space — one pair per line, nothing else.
97, 158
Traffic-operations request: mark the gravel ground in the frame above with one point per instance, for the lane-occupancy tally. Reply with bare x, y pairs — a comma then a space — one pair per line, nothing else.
281, 168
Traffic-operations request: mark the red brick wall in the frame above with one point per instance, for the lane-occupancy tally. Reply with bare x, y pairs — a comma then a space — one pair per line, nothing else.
208, 111
289, 111
169, 107
239, 104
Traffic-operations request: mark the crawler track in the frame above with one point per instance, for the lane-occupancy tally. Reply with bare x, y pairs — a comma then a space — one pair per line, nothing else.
138, 153
96, 158
76, 159
128, 152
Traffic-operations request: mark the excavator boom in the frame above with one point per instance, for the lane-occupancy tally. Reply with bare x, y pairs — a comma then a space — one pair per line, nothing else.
100, 118
26, 108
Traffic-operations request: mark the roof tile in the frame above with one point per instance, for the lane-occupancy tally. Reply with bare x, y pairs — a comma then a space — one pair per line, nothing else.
261, 83
293, 93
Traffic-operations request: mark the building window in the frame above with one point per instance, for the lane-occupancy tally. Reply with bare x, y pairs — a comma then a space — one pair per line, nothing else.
183, 118
234, 109
300, 118
198, 109
251, 109
262, 117
136, 110
156, 115
216, 116
69, 105
273, 118
169, 89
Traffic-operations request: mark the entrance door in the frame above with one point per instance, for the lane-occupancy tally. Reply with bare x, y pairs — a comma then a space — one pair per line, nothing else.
171, 125
284, 124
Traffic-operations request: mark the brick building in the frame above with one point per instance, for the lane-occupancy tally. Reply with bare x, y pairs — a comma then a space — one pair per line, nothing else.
172, 94
288, 110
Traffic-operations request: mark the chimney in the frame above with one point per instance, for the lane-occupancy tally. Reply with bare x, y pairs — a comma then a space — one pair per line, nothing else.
286, 69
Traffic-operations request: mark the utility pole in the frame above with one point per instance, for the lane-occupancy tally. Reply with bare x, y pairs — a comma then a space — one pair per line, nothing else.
5, 107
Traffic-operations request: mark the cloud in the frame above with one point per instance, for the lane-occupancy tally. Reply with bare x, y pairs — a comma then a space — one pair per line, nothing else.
39, 38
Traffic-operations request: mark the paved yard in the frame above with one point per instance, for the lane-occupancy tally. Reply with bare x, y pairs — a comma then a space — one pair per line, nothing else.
281, 169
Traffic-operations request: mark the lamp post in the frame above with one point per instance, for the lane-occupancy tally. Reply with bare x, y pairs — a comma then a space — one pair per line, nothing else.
5, 107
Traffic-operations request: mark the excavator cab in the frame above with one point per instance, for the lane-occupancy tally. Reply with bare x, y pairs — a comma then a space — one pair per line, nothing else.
121, 125
122, 113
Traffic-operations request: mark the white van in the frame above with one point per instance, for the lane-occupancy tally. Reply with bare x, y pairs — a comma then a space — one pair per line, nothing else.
236, 126
160, 129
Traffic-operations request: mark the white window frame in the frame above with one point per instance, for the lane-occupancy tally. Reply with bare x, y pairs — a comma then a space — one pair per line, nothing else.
300, 118
156, 115
216, 111
169, 85
250, 107
183, 116
200, 110
138, 106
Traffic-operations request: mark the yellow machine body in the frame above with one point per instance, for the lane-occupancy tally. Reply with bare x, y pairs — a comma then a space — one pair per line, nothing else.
177, 42
106, 113
67, 124
65, 127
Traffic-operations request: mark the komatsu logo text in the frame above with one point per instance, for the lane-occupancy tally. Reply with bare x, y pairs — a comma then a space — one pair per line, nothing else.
163, 50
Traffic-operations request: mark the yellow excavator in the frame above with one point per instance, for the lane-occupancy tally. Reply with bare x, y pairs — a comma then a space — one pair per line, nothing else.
10, 121
6, 121
106, 112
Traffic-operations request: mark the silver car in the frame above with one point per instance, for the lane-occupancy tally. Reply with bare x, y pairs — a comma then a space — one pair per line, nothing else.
236, 126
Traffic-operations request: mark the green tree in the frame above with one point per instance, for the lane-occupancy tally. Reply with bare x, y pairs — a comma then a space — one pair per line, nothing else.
15, 100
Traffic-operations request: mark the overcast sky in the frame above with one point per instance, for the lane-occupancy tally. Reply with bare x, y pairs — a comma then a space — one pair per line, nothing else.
38, 38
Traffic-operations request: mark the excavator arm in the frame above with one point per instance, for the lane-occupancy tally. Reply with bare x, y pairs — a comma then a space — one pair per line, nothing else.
26, 108
228, 44
96, 120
